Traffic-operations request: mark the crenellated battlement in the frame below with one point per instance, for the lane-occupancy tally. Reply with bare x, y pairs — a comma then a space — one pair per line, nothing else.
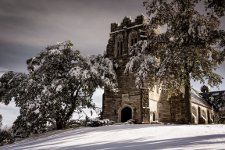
127, 22
125, 35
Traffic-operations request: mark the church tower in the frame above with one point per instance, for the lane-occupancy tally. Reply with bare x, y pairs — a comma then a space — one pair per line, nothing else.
139, 105
144, 105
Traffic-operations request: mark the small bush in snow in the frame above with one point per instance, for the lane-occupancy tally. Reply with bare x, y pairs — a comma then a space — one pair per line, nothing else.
6, 137
97, 122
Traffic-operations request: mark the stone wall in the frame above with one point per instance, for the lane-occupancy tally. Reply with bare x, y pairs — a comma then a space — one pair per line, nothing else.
121, 38
201, 114
163, 108
177, 106
154, 96
147, 106
122, 35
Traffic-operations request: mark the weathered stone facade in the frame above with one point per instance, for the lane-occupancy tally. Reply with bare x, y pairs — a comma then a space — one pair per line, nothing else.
143, 105
135, 101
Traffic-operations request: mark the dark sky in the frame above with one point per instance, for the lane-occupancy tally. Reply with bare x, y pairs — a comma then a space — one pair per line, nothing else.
27, 26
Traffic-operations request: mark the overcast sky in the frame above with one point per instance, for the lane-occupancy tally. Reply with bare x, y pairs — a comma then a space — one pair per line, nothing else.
27, 26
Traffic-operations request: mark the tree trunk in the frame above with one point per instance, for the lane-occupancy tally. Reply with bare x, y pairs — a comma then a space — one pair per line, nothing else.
70, 113
187, 99
60, 124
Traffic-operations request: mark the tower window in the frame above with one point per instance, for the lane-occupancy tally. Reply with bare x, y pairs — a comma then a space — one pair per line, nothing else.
135, 40
132, 42
121, 48
118, 45
118, 48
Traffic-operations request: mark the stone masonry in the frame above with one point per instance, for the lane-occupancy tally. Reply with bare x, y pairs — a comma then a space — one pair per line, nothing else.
141, 105
137, 104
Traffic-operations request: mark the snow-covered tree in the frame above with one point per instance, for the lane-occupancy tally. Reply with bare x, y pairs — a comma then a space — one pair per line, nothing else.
67, 80
189, 46
215, 6
8, 85
15, 86
0, 121
59, 81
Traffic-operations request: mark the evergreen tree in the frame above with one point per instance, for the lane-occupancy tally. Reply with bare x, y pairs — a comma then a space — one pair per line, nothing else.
190, 47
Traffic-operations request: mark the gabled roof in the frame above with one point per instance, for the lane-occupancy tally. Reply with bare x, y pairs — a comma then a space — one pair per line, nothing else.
197, 98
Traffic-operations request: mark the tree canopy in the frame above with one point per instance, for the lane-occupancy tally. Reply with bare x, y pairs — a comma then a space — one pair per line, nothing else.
0, 120
189, 46
59, 81
216, 6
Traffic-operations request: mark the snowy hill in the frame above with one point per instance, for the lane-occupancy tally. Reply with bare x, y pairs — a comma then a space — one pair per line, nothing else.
130, 137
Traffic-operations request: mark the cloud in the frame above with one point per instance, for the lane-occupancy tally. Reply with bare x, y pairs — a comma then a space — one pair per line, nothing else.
2, 69
31, 25
38, 23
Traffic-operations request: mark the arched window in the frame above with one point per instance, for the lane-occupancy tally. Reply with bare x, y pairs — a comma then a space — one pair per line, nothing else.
133, 38
118, 45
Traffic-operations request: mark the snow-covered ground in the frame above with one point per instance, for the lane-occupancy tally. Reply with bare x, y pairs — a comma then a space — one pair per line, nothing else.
130, 137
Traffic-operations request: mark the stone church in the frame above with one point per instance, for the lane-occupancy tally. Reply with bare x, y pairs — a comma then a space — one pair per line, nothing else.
144, 105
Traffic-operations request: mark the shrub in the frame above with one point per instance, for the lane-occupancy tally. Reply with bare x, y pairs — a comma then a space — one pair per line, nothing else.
6, 137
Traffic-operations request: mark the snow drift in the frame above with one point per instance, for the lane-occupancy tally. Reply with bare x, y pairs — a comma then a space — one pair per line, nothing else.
129, 137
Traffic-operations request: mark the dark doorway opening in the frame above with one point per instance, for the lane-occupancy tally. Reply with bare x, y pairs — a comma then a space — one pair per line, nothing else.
126, 114
153, 119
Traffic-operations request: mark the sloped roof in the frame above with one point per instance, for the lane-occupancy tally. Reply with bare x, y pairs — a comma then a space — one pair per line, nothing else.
216, 99
198, 99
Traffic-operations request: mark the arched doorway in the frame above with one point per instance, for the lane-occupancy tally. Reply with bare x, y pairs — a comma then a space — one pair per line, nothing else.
126, 114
